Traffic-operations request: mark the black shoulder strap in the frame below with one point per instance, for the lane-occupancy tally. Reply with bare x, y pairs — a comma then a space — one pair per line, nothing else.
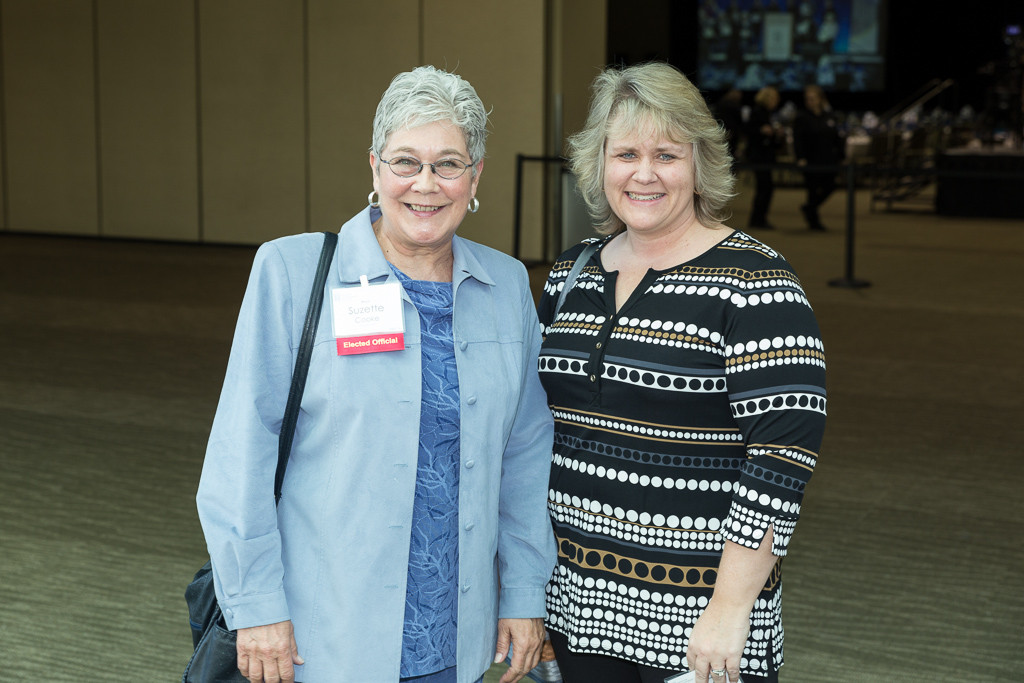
574, 273
291, 411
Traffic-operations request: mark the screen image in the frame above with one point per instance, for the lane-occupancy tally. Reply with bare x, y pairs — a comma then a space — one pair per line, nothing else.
747, 44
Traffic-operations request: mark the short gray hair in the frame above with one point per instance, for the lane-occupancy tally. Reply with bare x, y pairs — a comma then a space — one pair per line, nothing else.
657, 96
426, 95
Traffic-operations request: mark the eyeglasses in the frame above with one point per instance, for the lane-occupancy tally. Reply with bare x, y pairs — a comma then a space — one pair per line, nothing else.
407, 167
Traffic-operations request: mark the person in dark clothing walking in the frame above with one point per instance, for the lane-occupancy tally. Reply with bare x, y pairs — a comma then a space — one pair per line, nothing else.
817, 142
763, 139
728, 110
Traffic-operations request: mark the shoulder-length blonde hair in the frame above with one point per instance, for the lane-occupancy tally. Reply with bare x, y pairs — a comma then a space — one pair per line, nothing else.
658, 98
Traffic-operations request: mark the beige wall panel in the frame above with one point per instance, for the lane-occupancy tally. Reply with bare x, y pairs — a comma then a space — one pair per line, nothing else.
50, 116
499, 47
579, 52
148, 119
252, 120
583, 50
355, 49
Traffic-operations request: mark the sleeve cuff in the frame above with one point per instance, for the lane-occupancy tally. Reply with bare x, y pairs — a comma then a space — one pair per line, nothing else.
255, 610
747, 527
522, 603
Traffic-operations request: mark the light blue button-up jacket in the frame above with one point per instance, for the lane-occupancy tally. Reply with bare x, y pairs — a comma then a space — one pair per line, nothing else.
333, 556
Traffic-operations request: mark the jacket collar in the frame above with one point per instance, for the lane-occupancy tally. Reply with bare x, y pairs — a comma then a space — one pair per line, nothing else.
360, 254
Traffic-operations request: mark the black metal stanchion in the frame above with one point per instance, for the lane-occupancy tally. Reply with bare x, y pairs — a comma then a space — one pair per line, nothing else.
849, 280
517, 220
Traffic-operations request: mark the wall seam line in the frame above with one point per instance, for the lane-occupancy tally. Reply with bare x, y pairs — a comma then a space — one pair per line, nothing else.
4, 181
423, 32
306, 117
97, 113
200, 208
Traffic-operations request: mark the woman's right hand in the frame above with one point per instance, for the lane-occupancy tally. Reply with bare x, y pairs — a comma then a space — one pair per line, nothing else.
268, 654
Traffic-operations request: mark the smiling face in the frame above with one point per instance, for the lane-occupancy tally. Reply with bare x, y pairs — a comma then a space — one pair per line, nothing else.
649, 181
423, 212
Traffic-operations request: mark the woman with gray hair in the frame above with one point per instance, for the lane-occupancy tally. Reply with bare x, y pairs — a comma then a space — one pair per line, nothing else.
411, 541
686, 376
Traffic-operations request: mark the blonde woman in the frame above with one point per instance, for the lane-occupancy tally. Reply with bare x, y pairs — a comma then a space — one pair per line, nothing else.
686, 376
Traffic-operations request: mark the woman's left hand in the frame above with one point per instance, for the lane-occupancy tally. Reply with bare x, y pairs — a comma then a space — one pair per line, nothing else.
718, 637
526, 637
717, 641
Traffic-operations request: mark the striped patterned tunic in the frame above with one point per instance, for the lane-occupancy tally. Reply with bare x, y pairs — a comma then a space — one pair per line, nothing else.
692, 415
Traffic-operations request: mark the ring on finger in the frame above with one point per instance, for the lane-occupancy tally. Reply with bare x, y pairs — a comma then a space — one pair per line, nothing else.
718, 673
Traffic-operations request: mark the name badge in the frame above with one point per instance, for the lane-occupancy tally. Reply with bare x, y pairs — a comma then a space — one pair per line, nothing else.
368, 318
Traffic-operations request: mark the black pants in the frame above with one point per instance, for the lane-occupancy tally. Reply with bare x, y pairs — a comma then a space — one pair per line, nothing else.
585, 668
764, 187
819, 187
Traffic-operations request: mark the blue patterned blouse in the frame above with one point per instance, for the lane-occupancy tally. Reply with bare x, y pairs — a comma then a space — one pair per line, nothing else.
431, 602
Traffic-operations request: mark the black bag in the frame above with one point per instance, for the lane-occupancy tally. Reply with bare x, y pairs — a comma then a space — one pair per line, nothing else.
215, 659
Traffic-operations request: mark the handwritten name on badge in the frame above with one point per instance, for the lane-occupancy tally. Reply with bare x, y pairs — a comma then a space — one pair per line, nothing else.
368, 318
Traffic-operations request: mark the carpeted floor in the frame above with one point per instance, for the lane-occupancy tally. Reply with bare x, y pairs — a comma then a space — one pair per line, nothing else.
908, 564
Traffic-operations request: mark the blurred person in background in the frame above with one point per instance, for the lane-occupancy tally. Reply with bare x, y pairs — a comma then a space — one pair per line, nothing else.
764, 137
817, 142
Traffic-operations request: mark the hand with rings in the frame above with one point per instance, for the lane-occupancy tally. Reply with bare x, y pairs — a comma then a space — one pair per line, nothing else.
715, 649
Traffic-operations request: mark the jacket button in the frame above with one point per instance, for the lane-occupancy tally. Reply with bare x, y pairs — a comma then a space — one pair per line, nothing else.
470, 463
471, 400
464, 345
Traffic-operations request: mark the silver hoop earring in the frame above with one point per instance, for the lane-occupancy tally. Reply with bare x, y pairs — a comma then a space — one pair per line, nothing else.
474, 205
369, 200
